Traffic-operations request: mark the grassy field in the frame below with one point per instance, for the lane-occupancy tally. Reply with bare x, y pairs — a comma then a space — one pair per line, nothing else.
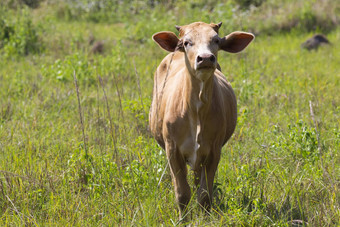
280, 168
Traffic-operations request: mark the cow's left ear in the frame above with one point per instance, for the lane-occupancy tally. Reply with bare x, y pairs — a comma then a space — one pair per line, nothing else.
166, 40
236, 41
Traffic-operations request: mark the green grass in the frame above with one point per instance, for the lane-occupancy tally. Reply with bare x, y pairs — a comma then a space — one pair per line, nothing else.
282, 163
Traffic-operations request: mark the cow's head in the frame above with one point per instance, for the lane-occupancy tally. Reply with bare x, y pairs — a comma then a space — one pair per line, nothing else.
200, 43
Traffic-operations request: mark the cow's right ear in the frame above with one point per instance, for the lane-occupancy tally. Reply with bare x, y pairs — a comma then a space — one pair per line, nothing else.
166, 40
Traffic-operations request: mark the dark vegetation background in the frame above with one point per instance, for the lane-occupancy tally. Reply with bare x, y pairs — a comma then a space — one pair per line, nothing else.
94, 162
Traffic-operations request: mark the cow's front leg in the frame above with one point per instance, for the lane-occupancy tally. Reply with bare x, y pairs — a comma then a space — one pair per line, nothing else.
178, 170
208, 170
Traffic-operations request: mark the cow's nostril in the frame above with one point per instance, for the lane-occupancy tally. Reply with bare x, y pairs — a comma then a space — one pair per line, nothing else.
199, 59
212, 58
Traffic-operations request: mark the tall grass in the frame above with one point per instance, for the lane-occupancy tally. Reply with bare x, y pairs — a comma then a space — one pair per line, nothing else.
281, 167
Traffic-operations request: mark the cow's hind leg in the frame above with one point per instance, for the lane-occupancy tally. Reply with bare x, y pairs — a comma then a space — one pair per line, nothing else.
179, 176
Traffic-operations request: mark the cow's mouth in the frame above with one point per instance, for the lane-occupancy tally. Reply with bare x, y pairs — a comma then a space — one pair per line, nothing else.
205, 67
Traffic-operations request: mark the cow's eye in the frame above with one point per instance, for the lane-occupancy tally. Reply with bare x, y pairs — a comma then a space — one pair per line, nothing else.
216, 41
187, 43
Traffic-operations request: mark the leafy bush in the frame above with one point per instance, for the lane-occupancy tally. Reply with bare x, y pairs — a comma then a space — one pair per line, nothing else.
301, 141
101, 11
19, 37
62, 70
296, 15
244, 4
20, 3
31, 3
6, 32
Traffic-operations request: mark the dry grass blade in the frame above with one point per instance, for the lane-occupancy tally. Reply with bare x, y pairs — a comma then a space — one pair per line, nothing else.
139, 89
113, 134
16, 210
80, 112
315, 125
120, 102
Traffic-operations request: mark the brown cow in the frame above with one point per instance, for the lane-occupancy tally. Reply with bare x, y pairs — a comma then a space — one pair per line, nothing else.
193, 112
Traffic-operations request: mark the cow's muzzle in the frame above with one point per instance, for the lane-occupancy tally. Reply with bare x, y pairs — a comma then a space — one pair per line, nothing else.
205, 61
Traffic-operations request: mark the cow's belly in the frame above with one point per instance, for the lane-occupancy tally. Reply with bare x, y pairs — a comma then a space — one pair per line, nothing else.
183, 133
191, 150
188, 149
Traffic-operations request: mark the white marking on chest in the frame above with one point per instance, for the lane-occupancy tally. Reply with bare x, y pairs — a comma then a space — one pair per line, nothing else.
197, 131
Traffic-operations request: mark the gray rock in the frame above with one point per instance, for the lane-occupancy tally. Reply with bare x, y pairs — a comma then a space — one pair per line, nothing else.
314, 42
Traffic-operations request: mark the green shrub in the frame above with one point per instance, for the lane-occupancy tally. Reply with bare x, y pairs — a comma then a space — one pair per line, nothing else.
62, 70
20, 3
244, 4
19, 37
101, 11
301, 142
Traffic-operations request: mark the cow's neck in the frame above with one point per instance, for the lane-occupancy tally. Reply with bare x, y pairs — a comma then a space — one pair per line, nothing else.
199, 93
199, 100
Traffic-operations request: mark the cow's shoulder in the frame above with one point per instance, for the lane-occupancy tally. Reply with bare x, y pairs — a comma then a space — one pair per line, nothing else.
171, 63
